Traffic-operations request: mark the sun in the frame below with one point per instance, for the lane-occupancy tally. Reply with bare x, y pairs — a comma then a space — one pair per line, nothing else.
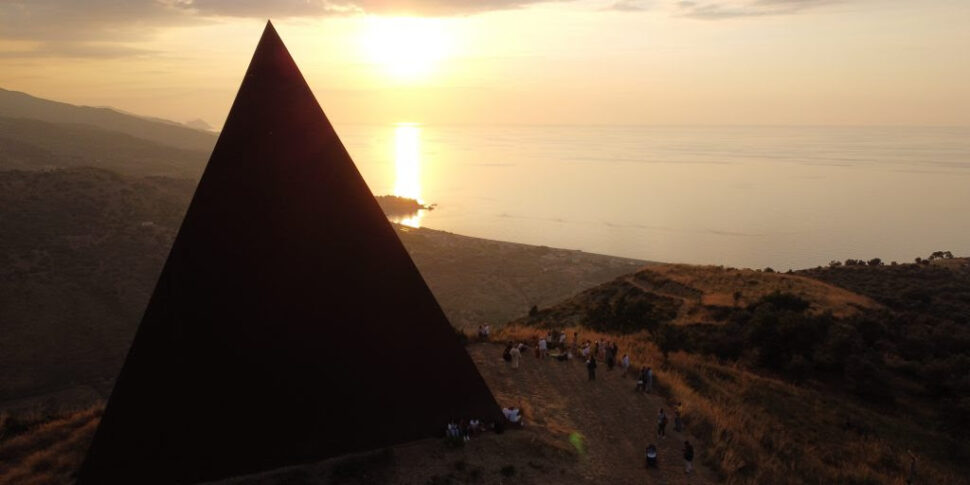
408, 49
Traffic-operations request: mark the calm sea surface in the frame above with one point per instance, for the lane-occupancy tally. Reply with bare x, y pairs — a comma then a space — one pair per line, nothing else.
785, 197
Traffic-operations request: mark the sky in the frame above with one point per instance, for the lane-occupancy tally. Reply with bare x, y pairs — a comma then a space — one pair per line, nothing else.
604, 62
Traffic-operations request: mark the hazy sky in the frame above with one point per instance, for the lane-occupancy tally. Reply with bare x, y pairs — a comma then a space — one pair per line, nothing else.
510, 61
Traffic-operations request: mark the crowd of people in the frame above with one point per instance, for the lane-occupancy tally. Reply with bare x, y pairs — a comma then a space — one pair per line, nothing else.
555, 344
465, 429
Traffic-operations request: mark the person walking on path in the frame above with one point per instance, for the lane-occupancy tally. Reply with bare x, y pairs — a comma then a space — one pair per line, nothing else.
642, 380
625, 364
516, 354
688, 457
543, 348
649, 382
661, 424
591, 367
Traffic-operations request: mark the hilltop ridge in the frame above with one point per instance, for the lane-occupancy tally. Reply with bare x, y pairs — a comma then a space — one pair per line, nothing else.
15, 104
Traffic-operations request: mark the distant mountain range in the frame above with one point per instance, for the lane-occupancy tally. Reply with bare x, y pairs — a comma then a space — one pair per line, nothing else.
14, 104
37, 133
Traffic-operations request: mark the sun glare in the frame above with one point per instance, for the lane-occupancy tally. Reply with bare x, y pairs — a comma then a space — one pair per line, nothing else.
407, 163
407, 48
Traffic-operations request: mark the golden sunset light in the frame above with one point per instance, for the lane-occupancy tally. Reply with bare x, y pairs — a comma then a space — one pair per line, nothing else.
690, 242
407, 49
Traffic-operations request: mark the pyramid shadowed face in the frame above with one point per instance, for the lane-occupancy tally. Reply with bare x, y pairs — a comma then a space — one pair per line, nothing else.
250, 355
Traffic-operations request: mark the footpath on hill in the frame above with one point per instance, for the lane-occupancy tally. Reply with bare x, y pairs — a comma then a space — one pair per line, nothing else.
616, 423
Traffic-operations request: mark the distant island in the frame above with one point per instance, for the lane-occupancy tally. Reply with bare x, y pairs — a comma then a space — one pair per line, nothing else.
393, 205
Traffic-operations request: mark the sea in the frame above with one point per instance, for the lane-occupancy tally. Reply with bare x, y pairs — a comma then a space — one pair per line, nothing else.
753, 196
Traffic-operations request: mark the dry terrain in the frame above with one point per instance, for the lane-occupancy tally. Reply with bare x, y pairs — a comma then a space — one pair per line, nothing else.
558, 401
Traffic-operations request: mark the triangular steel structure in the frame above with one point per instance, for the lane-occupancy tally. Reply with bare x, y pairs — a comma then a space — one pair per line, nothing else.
289, 323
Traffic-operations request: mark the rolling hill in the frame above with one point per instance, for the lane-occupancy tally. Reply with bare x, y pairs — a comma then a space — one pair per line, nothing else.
828, 375
40, 145
14, 104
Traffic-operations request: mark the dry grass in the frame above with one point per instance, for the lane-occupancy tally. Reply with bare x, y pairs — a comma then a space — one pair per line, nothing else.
756, 429
719, 284
50, 453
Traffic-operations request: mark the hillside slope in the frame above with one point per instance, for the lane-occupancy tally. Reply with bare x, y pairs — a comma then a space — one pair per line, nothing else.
681, 294
40, 145
14, 104
576, 432
804, 378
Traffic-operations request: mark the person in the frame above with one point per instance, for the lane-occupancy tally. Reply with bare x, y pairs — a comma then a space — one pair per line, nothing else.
651, 456
586, 350
688, 457
513, 415
591, 368
610, 357
661, 424
649, 382
562, 341
452, 432
481, 333
625, 363
486, 331
642, 380
515, 354
507, 353
474, 427
543, 347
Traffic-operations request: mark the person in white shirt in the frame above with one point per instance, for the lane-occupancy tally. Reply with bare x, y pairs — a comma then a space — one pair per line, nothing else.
543, 347
516, 354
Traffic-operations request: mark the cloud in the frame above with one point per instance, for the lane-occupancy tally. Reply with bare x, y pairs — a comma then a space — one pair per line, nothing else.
85, 28
88, 50
716, 10
629, 6
300, 8
107, 28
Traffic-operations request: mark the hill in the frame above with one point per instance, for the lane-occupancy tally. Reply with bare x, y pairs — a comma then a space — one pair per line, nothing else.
40, 145
14, 104
828, 375
680, 294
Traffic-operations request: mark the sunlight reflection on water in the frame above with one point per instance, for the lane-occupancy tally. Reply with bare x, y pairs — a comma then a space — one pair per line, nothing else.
407, 164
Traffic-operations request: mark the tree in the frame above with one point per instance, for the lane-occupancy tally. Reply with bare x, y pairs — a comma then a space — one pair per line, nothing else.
875, 262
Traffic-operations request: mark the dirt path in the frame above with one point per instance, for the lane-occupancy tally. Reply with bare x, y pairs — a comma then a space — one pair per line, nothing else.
615, 422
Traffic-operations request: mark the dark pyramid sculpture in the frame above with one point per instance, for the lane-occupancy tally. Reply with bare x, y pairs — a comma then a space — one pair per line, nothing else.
289, 323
